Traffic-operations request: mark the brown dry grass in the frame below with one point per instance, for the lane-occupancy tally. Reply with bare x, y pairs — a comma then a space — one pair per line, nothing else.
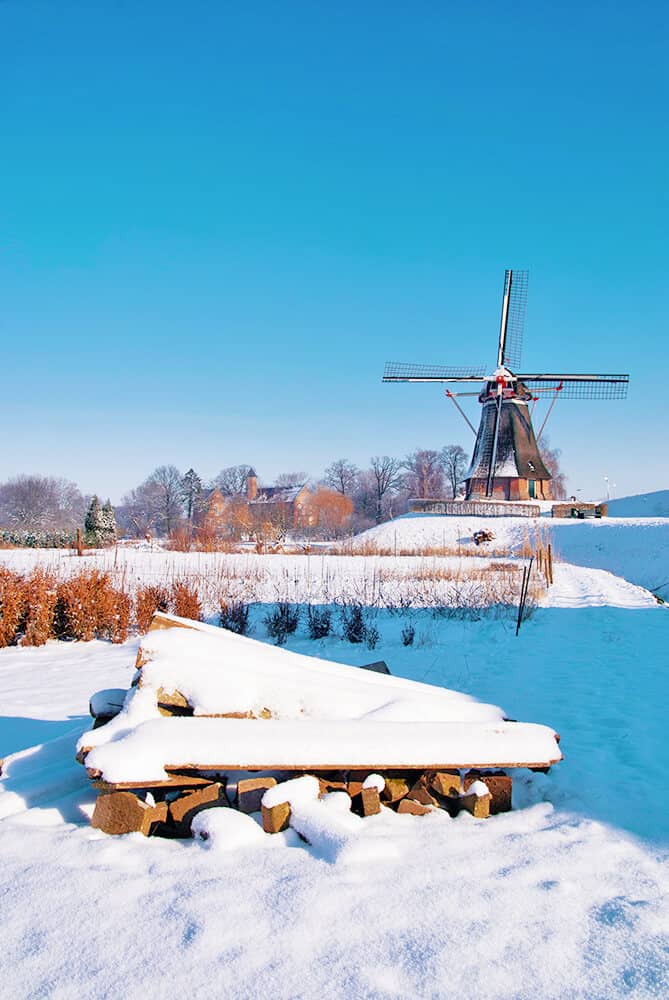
185, 600
12, 605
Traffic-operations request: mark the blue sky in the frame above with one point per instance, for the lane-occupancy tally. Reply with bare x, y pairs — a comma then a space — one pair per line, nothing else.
218, 220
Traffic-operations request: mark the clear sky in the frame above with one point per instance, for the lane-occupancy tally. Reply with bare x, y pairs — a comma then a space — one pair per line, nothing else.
218, 220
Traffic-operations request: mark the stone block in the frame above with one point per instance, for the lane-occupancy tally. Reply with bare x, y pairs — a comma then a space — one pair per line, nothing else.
275, 818
499, 785
123, 812
371, 801
420, 792
355, 782
445, 782
172, 703
250, 792
414, 808
183, 809
395, 789
332, 781
477, 805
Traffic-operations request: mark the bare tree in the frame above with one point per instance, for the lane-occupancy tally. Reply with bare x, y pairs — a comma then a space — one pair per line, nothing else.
342, 476
551, 457
137, 514
41, 503
454, 461
425, 474
166, 479
231, 481
288, 479
386, 477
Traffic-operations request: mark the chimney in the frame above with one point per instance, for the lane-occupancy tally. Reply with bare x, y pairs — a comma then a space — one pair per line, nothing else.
251, 485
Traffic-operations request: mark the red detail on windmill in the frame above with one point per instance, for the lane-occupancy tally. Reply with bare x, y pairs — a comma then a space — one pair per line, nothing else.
501, 381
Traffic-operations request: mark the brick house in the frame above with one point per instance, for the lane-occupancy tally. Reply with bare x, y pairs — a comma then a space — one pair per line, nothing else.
264, 510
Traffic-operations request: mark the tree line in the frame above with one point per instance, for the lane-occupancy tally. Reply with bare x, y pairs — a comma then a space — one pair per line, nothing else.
169, 500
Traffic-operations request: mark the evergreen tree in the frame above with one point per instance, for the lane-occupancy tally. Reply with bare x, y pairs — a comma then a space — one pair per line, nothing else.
108, 524
93, 523
191, 493
100, 524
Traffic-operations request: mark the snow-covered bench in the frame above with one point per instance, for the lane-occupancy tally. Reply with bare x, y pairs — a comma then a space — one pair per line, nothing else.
209, 705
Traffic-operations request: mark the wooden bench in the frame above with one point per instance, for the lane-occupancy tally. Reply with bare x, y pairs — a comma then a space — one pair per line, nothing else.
155, 775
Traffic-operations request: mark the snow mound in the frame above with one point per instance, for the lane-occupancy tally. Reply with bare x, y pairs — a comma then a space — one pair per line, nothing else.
224, 830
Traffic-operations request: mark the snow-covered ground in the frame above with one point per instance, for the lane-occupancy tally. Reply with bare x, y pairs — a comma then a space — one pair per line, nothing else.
654, 504
567, 896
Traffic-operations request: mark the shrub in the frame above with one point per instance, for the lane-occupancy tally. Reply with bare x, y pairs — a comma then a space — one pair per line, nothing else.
235, 616
12, 605
408, 635
41, 594
148, 600
353, 622
319, 621
371, 636
185, 600
282, 622
85, 607
119, 627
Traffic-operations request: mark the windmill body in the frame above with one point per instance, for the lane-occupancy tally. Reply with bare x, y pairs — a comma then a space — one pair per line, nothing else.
519, 470
506, 461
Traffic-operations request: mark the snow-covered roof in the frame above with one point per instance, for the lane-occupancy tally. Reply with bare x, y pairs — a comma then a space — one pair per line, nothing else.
278, 494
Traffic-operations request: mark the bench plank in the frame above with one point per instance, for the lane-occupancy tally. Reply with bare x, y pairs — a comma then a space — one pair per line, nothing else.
164, 746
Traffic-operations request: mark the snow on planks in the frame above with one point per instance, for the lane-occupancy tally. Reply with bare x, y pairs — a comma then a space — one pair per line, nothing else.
315, 717
160, 746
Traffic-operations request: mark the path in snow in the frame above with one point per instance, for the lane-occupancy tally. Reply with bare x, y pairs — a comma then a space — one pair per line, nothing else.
578, 587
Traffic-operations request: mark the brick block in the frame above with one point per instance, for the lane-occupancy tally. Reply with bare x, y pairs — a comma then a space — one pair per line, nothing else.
395, 789
420, 792
187, 806
123, 812
275, 818
499, 785
250, 792
172, 703
355, 781
371, 801
414, 808
477, 805
445, 782
332, 781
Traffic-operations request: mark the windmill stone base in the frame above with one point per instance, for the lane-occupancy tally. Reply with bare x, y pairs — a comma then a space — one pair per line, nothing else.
473, 508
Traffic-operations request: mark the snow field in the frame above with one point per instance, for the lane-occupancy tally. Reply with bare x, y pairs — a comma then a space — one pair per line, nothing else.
564, 897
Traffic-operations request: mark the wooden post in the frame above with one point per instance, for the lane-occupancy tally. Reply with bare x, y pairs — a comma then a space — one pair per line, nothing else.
550, 564
80, 547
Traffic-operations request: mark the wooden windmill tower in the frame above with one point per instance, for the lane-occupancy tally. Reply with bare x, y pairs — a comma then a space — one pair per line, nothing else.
506, 463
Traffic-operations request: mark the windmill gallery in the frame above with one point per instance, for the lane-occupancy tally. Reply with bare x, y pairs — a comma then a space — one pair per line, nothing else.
506, 463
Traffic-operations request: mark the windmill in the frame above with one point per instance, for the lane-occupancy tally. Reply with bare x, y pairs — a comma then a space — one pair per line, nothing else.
506, 462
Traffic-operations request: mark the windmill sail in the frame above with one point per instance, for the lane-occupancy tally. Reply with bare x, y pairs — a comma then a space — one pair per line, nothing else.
579, 386
399, 371
514, 305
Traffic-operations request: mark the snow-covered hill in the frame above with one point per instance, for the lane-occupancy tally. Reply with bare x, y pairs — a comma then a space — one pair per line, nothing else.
642, 505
